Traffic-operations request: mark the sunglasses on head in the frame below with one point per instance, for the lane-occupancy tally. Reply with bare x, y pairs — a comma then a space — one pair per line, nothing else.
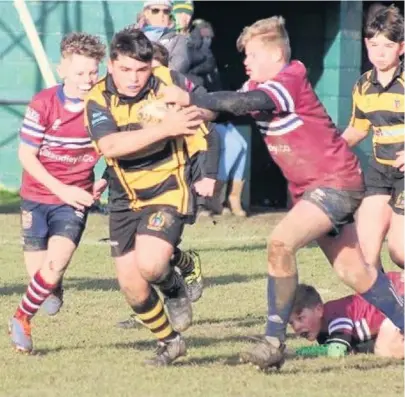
156, 11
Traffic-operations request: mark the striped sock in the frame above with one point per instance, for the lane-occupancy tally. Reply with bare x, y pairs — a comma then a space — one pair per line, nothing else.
153, 316
37, 292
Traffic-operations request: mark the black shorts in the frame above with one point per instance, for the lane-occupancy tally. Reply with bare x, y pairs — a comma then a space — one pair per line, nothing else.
39, 222
386, 180
162, 222
339, 205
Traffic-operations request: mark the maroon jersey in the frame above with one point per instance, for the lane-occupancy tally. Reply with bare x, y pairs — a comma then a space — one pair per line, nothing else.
56, 128
302, 138
352, 320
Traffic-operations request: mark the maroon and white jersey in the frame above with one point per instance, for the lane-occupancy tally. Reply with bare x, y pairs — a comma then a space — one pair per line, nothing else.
56, 128
352, 320
302, 138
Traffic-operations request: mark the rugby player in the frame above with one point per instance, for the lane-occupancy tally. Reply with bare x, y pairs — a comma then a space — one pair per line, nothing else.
58, 187
325, 180
151, 194
378, 105
204, 173
347, 325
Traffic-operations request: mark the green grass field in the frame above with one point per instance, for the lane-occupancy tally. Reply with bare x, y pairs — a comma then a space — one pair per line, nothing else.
80, 352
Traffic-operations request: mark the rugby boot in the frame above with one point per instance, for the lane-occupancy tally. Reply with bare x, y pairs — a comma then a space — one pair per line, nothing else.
168, 351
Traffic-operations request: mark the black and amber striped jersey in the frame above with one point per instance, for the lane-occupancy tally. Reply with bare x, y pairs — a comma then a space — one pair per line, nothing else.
380, 109
161, 173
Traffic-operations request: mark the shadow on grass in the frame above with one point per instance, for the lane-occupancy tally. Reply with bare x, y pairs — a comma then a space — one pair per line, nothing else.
9, 202
111, 284
246, 321
226, 360
10, 208
233, 359
337, 368
245, 247
192, 341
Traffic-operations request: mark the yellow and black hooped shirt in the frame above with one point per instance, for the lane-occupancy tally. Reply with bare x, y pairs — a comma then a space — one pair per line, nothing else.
381, 109
157, 175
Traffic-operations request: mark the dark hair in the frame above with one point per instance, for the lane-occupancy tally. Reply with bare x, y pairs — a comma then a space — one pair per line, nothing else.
160, 53
131, 43
306, 297
387, 21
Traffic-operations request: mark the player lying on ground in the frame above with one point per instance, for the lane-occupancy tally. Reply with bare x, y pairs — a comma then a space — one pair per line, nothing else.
58, 186
346, 325
204, 172
147, 147
324, 177
378, 103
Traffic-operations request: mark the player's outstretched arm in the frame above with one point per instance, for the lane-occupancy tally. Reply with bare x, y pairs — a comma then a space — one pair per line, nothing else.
180, 80
237, 103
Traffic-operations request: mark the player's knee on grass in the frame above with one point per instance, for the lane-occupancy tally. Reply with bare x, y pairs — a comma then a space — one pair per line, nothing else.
152, 257
280, 259
390, 342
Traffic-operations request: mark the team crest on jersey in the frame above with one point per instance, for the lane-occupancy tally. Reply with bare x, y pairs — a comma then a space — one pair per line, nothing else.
156, 221
26, 219
399, 202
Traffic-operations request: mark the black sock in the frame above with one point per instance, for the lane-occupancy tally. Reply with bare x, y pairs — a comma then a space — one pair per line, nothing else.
171, 285
183, 261
58, 289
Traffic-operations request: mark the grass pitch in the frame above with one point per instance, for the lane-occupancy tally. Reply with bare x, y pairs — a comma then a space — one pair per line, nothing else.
80, 352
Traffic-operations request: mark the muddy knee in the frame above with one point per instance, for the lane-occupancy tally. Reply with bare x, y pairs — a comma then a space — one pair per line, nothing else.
280, 259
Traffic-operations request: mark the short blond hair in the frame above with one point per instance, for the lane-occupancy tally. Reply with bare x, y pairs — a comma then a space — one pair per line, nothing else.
82, 44
270, 31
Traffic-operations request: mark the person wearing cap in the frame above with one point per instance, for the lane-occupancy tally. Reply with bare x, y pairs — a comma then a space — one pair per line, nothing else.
183, 13
157, 24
